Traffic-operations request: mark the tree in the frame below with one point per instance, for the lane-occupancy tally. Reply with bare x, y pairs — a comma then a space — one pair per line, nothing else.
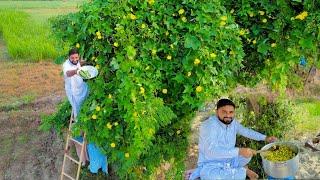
159, 61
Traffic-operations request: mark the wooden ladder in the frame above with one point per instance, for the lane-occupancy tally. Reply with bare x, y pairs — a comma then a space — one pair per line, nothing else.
68, 156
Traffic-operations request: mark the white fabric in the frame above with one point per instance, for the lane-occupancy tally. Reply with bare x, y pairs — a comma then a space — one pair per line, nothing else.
218, 156
76, 88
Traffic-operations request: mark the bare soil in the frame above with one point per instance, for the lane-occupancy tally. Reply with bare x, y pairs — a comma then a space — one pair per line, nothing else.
27, 91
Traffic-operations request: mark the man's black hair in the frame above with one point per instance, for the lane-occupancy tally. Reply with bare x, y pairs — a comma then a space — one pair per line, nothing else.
73, 51
225, 102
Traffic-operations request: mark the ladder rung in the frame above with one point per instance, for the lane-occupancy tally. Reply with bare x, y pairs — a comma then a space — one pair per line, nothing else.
72, 159
74, 140
67, 175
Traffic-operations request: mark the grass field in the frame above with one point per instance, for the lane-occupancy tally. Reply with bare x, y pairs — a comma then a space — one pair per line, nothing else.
40, 11
25, 28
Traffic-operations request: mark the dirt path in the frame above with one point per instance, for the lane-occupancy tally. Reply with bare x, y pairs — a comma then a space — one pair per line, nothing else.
28, 90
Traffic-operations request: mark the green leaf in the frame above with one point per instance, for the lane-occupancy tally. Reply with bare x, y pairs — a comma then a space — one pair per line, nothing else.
114, 64
263, 48
306, 43
131, 52
191, 41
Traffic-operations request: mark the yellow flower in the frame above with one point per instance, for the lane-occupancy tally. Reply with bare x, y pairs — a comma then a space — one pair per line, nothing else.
132, 16
153, 52
223, 18
251, 14
167, 33
171, 46
169, 57
93, 58
116, 124
141, 90
164, 91
254, 41
273, 45
302, 15
178, 132
98, 35
113, 145
232, 11
151, 2
98, 108
94, 116
115, 44
289, 49
109, 126
198, 89
196, 61
181, 11
189, 74
126, 155
97, 66
264, 20
213, 55
242, 32
143, 25
110, 96
222, 23
252, 113
261, 13
78, 45
135, 114
184, 19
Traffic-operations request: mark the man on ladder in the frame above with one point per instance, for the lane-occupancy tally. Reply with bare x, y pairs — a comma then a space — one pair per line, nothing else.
77, 91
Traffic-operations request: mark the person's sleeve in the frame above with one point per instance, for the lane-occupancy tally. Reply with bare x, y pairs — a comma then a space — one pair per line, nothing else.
66, 68
249, 133
210, 148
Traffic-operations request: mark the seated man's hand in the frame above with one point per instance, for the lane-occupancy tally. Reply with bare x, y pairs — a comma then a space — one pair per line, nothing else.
246, 152
271, 139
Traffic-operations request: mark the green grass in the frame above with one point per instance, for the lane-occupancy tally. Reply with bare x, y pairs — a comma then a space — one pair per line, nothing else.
26, 30
26, 39
41, 11
39, 4
307, 115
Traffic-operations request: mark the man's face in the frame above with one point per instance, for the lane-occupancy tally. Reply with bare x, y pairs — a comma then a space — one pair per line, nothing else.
225, 114
74, 58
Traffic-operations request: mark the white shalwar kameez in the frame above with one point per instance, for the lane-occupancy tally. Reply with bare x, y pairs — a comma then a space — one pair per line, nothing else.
218, 156
76, 88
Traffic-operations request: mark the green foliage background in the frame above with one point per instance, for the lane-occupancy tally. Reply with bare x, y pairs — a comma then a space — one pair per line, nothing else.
269, 116
156, 68
159, 61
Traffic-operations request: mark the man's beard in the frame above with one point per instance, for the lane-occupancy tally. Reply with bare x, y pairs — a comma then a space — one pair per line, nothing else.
73, 62
224, 122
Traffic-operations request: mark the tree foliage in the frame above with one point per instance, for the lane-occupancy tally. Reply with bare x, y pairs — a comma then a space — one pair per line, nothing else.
276, 36
159, 61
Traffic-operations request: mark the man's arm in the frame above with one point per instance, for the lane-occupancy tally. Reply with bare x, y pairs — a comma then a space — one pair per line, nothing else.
249, 133
71, 72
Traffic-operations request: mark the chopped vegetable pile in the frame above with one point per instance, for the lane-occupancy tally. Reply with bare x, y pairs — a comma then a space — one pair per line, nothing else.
281, 153
84, 74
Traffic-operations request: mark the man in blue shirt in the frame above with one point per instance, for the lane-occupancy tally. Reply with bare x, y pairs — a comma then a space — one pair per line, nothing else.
218, 156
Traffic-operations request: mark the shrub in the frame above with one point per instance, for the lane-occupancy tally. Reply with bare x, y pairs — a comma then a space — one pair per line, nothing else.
158, 62
270, 117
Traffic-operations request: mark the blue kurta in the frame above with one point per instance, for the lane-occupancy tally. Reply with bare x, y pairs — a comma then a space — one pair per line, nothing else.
218, 156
